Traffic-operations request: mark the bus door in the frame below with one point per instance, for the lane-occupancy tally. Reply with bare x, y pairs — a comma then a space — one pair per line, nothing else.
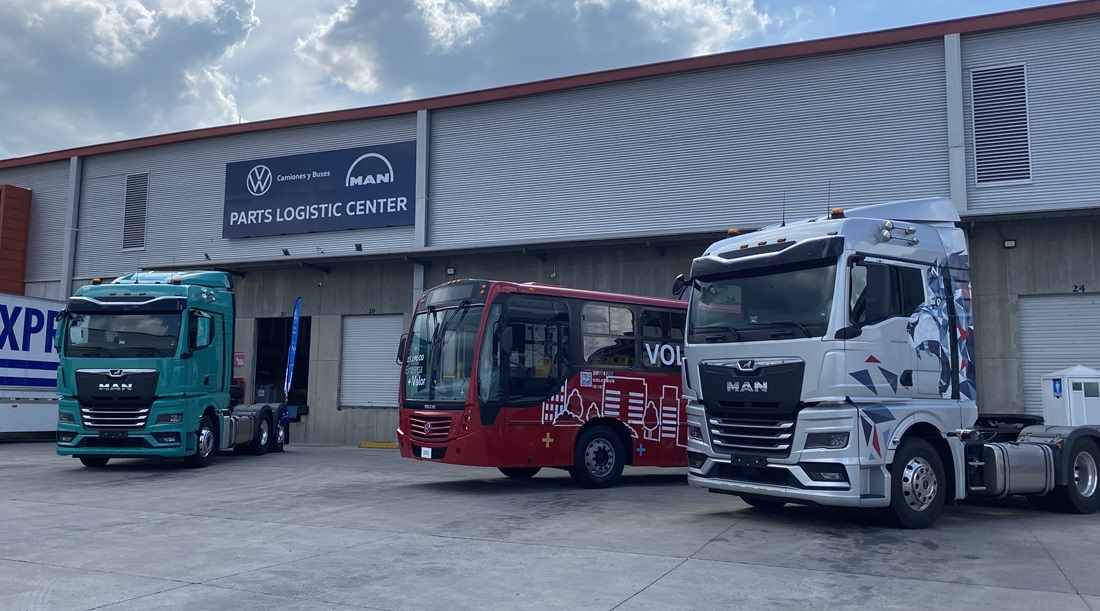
662, 355
535, 364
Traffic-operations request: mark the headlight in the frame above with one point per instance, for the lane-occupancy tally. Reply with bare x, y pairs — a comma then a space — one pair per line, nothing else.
832, 441
169, 418
695, 432
65, 417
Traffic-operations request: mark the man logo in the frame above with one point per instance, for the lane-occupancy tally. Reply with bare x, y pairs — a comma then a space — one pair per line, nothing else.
259, 180
383, 172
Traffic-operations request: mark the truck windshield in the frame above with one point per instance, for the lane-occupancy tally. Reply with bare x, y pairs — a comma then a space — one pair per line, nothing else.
122, 335
441, 354
763, 304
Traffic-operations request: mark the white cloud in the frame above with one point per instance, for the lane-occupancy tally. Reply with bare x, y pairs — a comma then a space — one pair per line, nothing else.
351, 65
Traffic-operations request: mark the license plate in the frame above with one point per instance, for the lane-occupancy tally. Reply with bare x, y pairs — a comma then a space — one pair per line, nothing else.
425, 452
748, 460
114, 434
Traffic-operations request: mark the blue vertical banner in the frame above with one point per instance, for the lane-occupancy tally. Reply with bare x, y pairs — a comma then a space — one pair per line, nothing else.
293, 350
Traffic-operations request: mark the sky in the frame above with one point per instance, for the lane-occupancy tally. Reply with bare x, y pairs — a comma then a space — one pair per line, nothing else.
82, 72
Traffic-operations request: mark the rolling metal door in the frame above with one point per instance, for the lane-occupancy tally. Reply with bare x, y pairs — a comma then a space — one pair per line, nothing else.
1056, 331
369, 373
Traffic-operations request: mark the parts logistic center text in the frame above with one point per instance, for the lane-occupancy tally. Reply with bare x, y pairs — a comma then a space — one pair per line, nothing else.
315, 211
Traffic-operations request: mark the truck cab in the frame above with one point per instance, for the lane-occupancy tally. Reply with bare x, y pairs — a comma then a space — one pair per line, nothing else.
831, 361
145, 370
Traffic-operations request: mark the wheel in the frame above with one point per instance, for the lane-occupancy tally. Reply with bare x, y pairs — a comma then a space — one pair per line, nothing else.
598, 458
519, 472
258, 446
278, 438
918, 486
94, 462
1081, 494
763, 503
206, 445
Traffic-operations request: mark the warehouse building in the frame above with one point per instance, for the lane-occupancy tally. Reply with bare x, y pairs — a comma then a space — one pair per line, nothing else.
611, 181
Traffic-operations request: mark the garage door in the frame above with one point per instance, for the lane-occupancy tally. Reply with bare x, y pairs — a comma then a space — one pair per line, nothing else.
1056, 331
369, 373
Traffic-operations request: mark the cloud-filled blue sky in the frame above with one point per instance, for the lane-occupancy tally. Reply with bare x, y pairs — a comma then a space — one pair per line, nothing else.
80, 72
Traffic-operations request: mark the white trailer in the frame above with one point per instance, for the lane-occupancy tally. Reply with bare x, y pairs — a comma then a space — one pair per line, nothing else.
28, 366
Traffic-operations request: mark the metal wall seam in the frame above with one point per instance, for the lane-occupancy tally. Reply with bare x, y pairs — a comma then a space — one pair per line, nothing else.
956, 134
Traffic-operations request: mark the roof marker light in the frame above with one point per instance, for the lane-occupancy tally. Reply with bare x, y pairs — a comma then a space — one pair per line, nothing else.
836, 213
733, 231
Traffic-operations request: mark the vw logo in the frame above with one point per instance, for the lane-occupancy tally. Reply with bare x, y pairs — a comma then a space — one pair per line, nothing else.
259, 180
427, 427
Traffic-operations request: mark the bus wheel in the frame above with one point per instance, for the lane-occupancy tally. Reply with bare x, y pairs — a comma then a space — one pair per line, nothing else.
598, 458
1082, 494
94, 461
519, 472
918, 485
205, 445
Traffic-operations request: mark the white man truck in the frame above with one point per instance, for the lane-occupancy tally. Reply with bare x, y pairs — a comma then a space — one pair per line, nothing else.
831, 361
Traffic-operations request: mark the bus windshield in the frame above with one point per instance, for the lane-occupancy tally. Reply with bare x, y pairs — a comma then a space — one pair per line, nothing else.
122, 335
763, 304
441, 353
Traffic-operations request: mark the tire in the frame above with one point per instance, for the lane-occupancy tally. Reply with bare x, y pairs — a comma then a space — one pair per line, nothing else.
918, 484
206, 444
95, 462
1082, 494
258, 446
598, 458
763, 503
278, 437
519, 472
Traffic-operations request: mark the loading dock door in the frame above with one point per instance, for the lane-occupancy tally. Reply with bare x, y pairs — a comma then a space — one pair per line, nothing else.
1056, 332
369, 373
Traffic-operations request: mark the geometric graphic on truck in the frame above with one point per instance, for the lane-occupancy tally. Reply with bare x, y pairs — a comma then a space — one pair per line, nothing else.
875, 429
929, 326
863, 376
651, 412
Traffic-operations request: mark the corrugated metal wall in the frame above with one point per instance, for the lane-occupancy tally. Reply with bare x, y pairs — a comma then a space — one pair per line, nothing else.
1063, 73
692, 152
186, 193
1056, 332
49, 185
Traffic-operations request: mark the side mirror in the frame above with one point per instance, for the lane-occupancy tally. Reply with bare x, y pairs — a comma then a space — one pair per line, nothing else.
849, 332
506, 340
678, 285
401, 348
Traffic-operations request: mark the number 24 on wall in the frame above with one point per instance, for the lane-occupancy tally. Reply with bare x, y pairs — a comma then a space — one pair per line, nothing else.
1078, 288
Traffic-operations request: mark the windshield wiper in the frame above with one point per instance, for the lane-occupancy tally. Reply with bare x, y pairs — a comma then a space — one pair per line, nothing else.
790, 323
719, 327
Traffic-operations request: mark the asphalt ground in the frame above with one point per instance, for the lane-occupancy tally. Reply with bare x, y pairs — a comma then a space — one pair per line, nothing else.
321, 527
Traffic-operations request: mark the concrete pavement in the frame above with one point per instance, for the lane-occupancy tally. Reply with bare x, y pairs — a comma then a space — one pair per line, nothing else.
322, 527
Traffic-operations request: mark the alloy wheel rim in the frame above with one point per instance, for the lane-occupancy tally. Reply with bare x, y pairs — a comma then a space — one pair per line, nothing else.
206, 442
1085, 474
918, 484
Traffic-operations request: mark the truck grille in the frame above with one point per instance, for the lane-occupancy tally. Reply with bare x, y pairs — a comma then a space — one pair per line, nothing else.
114, 417
429, 428
772, 437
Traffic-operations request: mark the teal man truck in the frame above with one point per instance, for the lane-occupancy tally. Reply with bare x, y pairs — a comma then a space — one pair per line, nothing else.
145, 371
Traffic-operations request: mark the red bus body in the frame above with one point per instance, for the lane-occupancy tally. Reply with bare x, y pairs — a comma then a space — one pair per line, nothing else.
621, 371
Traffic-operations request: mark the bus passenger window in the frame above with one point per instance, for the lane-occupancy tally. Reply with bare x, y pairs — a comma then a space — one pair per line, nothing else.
538, 360
609, 335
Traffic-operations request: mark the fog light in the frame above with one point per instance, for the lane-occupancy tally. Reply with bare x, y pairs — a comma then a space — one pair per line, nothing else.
832, 441
696, 460
65, 436
695, 432
169, 418
166, 437
65, 417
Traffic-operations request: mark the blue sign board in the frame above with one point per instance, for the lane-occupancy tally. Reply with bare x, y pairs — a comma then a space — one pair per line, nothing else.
1057, 388
356, 188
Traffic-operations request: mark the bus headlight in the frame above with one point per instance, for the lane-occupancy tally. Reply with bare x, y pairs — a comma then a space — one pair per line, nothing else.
831, 441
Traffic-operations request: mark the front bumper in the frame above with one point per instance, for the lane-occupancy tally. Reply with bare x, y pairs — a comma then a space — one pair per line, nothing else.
169, 440
798, 477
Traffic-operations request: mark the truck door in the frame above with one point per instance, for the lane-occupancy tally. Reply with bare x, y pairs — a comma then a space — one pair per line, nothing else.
880, 362
206, 360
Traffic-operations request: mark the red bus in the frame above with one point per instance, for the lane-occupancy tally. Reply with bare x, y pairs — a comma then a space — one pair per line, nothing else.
526, 376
